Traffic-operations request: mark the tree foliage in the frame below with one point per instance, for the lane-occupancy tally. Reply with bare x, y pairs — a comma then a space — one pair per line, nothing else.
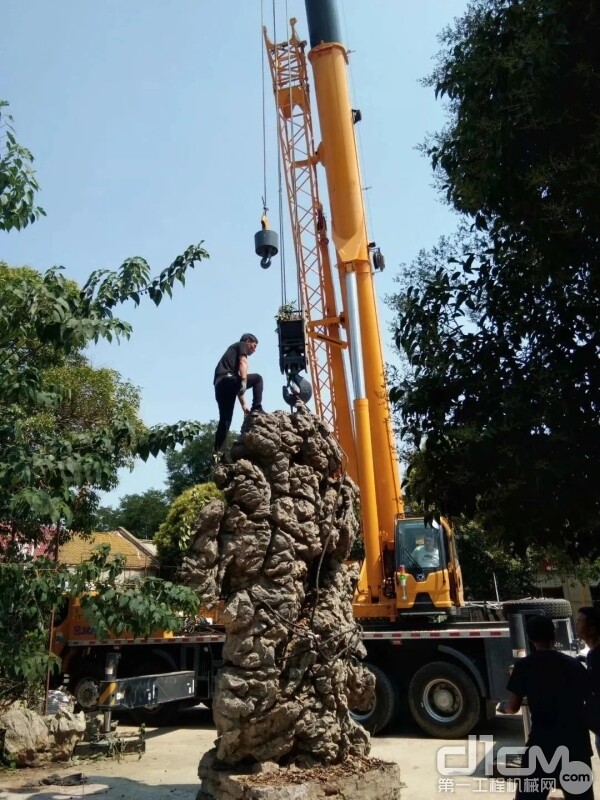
40, 480
31, 591
193, 463
504, 338
174, 534
18, 181
486, 566
64, 428
141, 514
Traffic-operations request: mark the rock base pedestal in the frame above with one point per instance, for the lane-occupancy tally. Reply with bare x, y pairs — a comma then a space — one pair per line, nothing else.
356, 777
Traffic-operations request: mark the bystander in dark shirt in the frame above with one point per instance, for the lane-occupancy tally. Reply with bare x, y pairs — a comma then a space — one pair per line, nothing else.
593, 704
556, 688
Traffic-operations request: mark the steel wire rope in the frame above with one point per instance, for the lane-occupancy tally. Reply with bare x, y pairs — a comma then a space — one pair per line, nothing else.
279, 190
264, 111
293, 161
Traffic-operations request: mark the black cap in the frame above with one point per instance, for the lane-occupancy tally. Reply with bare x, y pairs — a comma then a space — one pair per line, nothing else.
248, 337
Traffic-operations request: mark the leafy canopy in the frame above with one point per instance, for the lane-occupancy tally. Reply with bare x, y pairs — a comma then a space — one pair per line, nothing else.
39, 484
31, 591
18, 181
64, 428
193, 463
175, 533
140, 514
503, 338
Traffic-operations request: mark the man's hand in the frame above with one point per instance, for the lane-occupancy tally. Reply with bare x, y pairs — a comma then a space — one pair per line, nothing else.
242, 389
510, 706
245, 407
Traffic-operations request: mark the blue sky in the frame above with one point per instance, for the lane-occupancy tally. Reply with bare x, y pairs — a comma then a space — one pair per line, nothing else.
145, 118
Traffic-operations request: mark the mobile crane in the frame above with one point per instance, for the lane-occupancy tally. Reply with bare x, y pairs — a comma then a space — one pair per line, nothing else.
425, 650
394, 580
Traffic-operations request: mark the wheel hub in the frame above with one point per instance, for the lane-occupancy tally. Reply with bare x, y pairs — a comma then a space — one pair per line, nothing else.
442, 700
86, 693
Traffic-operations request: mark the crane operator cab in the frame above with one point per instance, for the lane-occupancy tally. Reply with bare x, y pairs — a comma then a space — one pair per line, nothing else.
428, 577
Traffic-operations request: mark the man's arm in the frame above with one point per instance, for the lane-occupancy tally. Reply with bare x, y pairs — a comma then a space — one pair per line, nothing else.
243, 368
243, 373
516, 688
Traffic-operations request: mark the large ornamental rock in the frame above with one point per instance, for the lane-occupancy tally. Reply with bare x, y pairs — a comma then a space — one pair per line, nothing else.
29, 740
274, 552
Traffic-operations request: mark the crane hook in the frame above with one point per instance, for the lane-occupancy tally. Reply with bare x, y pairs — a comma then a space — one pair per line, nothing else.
266, 243
297, 390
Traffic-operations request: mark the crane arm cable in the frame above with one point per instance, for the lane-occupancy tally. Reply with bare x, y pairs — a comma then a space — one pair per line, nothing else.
264, 113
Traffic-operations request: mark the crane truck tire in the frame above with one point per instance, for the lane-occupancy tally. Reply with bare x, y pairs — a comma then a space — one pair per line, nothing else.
384, 708
86, 691
84, 683
444, 701
556, 609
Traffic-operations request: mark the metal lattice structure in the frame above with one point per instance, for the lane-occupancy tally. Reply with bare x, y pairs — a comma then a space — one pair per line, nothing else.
291, 88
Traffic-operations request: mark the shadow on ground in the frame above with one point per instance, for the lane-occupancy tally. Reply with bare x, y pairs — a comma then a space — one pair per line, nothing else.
114, 787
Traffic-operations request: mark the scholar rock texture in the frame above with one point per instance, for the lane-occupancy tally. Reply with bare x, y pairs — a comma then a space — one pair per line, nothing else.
274, 550
30, 740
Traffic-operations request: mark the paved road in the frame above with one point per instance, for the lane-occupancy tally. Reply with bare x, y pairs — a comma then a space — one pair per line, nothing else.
168, 769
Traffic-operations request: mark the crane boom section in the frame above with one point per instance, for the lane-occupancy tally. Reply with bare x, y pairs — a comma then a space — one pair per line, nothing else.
339, 156
326, 338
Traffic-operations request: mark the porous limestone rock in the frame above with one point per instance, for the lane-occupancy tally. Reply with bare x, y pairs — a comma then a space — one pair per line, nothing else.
274, 552
29, 740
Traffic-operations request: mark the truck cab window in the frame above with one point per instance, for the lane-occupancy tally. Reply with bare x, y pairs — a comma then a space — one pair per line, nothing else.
418, 546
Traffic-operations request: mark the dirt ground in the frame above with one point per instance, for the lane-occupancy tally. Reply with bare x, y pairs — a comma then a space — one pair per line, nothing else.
168, 768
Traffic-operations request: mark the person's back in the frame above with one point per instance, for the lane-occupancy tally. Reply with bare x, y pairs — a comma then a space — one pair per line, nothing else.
555, 686
588, 629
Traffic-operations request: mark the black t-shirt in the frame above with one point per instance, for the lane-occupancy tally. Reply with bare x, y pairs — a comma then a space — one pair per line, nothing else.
556, 688
230, 360
593, 665
593, 704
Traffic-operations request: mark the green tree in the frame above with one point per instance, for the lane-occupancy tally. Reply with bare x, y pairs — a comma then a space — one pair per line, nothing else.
41, 479
141, 514
18, 181
174, 534
106, 518
31, 591
504, 340
486, 566
193, 463
48, 471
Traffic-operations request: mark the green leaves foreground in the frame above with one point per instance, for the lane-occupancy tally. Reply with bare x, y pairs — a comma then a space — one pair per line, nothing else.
44, 472
30, 592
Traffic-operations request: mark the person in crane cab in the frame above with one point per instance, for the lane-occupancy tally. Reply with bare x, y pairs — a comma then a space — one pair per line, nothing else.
232, 380
427, 554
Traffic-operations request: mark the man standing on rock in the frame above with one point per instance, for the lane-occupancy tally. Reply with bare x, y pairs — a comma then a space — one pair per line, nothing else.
232, 380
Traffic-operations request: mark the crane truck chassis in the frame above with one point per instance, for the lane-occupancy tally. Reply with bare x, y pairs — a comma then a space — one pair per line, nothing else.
447, 676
